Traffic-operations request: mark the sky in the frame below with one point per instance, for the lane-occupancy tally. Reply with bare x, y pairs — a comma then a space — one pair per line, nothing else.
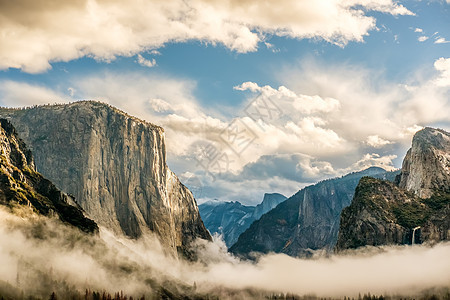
255, 96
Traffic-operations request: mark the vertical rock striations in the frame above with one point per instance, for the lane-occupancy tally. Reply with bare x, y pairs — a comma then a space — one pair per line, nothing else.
20, 184
426, 167
115, 166
307, 221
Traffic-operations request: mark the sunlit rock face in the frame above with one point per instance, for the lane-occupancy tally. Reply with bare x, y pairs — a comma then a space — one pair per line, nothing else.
115, 165
426, 167
414, 210
21, 185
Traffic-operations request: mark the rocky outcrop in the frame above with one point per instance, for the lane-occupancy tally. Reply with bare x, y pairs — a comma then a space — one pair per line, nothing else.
414, 210
381, 213
370, 219
426, 167
115, 165
21, 185
230, 219
307, 221
270, 201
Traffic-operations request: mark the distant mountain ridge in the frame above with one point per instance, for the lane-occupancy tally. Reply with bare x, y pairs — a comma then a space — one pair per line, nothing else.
307, 221
230, 219
115, 165
21, 185
415, 208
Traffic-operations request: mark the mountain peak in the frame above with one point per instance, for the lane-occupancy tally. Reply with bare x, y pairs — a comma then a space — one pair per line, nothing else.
426, 167
432, 137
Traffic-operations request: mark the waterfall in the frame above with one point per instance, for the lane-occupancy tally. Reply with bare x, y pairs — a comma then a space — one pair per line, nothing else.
414, 234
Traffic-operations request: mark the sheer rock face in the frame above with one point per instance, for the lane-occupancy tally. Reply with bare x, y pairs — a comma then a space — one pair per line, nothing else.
426, 167
307, 221
270, 201
228, 219
20, 184
383, 213
115, 165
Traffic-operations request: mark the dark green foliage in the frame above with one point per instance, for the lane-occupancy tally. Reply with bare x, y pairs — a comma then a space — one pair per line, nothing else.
438, 201
417, 213
411, 214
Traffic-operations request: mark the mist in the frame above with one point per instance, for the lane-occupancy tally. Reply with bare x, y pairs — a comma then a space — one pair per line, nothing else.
39, 255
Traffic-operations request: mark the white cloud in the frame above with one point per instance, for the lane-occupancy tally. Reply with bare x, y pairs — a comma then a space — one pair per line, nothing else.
375, 160
160, 105
35, 33
284, 97
418, 30
443, 66
332, 120
369, 105
441, 40
17, 94
140, 94
146, 62
386, 6
377, 142
422, 38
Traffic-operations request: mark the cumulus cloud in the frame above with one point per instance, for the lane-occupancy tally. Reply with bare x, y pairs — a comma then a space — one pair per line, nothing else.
370, 105
443, 66
441, 40
159, 105
146, 62
422, 38
332, 120
385, 6
377, 142
284, 97
17, 94
375, 160
36, 33
140, 94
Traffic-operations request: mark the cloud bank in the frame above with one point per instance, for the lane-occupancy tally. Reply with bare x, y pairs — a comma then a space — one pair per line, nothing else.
39, 256
33, 34
324, 121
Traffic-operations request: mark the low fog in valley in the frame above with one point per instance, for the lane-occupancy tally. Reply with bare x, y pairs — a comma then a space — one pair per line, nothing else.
43, 254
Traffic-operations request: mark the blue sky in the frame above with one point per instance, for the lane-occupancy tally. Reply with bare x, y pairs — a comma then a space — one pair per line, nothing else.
350, 81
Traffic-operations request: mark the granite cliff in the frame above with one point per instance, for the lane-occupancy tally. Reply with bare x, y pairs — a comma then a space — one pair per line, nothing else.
416, 209
230, 219
115, 166
307, 221
21, 185
426, 167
